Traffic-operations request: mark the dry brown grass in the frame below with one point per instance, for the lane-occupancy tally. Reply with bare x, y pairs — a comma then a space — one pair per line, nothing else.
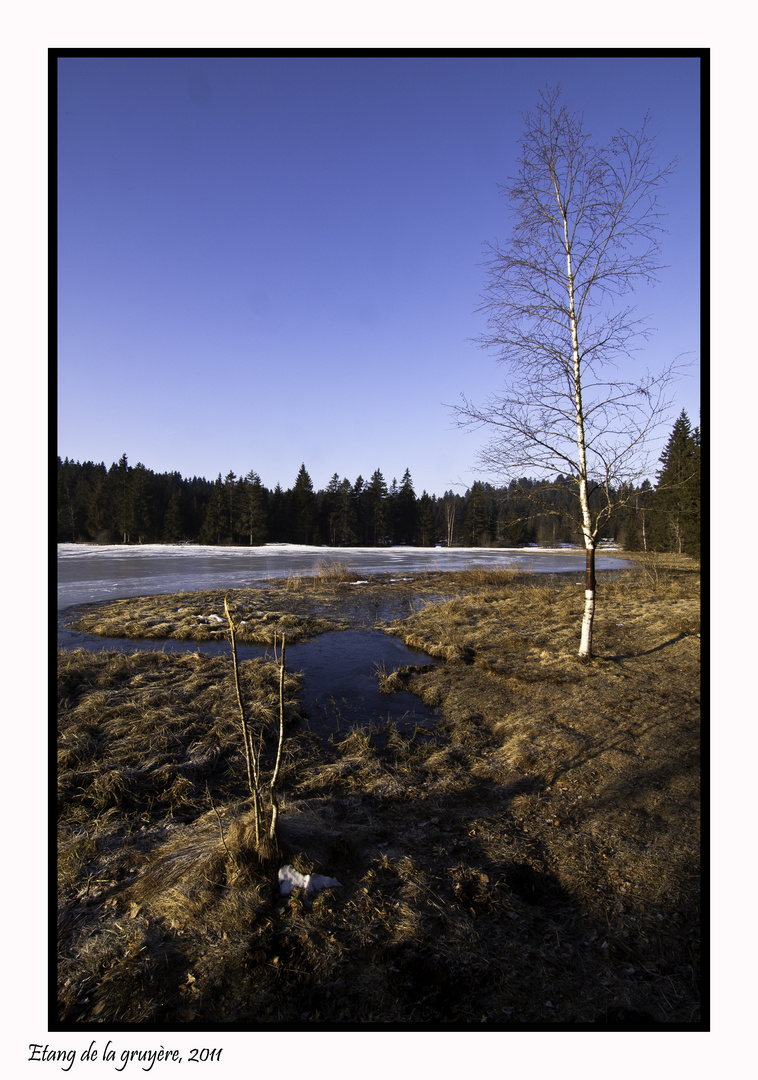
325, 574
200, 617
487, 577
532, 858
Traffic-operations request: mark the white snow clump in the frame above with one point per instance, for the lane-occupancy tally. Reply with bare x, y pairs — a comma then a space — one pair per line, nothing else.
290, 879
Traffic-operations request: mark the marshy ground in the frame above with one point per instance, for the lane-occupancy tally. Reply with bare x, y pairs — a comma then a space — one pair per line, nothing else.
531, 857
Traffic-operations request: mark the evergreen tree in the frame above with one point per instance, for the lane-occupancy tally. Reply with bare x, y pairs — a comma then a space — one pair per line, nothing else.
405, 512
141, 503
230, 505
97, 504
427, 527
477, 531
279, 524
517, 528
376, 511
329, 514
693, 524
121, 498
253, 501
390, 512
347, 516
200, 491
359, 501
213, 522
68, 509
676, 504
304, 501
172, 523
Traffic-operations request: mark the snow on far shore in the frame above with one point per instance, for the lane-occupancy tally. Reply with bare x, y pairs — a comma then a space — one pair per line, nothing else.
187, 550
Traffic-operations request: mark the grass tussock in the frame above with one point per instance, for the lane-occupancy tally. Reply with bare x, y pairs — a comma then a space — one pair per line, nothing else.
325, 574
200, 617
150, 732
531, 858
484, 577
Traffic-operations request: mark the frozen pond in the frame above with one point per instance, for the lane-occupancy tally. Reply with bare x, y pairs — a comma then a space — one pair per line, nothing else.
340, 685
88, 572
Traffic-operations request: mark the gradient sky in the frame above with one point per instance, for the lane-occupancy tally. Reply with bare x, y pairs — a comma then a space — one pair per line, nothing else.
269, 261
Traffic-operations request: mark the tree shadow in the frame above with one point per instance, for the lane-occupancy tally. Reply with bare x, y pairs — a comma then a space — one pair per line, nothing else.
648, 652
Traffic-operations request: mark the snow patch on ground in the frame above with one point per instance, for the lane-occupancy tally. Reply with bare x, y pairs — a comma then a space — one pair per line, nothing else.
290, 879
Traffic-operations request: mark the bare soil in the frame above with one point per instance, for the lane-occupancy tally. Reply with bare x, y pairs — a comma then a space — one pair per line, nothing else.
532, 858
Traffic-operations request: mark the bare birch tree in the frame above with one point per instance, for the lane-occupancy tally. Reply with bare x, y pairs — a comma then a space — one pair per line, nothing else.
586, 230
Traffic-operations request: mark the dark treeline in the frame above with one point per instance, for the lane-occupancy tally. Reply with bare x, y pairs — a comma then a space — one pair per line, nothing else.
132, 504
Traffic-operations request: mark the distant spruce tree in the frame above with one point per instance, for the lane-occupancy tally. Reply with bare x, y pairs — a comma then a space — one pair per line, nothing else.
477, 533
347, 514
375, 496
278, 516
213, 522
141, 503
173, 529
254, 510
230, 506
305, 509
406, 510
329, 501
121, 498
359, 503
427, 522
676, 502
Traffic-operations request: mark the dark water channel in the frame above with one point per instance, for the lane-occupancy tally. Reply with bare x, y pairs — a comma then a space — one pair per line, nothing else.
339, 668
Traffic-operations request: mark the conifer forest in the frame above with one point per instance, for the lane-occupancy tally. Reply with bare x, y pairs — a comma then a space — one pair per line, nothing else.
131, 504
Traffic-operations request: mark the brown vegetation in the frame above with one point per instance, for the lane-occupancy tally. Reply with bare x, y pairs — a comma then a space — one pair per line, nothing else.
200, 617
532, 858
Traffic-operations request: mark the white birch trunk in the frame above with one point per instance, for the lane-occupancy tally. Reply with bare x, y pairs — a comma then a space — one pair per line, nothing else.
585, 645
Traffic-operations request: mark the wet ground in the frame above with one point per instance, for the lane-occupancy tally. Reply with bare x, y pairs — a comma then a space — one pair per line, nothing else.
340, 669
535, 864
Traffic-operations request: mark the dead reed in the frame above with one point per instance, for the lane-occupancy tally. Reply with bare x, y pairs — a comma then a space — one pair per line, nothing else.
200, 617
325, 574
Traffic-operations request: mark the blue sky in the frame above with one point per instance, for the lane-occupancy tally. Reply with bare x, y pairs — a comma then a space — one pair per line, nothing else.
269, 261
